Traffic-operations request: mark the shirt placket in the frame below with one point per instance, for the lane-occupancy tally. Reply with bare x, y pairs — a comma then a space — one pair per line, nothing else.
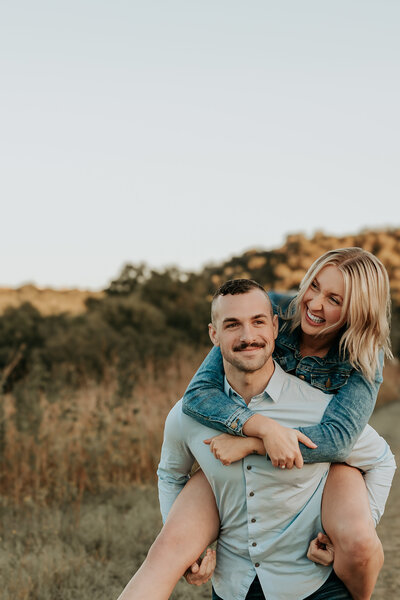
252, 512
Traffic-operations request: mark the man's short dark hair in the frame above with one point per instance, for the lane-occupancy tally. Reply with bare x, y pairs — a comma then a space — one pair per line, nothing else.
237, 286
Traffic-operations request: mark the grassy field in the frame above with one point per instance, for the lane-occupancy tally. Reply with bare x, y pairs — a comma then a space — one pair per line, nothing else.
78, 504
59, 553
90, 549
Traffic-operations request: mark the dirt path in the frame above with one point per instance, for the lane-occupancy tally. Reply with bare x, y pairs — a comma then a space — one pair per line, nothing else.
386, 421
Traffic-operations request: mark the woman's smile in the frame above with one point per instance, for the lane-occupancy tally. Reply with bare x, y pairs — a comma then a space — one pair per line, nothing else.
322, 303
314, 318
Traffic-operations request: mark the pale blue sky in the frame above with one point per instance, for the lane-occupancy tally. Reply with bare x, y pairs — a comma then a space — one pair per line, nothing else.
182, 132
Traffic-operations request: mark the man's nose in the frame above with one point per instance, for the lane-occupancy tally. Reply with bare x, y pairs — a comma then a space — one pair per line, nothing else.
247, 334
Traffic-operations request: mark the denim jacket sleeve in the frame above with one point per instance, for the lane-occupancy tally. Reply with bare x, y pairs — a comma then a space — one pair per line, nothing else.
344, 419
206, 401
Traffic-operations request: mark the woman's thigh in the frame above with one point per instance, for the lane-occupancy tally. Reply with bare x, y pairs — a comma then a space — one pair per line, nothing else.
194, 516
345, 505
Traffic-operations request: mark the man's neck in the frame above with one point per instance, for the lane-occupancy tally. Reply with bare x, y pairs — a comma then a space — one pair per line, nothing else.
249, 384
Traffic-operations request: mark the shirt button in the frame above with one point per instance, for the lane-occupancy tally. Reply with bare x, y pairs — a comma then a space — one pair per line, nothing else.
248, 467
254, 544
253, 520
257, 565
251, 494
301, 377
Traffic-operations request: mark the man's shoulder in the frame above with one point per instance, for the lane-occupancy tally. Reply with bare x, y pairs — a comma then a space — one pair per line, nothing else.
177, 417
175, 426
176, 411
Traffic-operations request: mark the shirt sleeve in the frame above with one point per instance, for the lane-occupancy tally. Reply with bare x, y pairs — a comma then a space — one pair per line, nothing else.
175, 463
345, 417
372, 455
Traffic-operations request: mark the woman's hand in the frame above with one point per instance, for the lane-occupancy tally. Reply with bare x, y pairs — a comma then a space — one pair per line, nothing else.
229, 448
321, 550
281, 443
201, 571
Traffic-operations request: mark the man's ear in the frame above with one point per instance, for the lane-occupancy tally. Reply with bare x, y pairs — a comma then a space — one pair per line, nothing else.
275, 322
212, 332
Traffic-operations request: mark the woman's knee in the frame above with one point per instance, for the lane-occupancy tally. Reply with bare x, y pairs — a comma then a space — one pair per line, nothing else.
357, 542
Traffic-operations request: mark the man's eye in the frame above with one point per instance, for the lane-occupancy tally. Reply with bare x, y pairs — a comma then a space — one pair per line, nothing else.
230, 325
259, 322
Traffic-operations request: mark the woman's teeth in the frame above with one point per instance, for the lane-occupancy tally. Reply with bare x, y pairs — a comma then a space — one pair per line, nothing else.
313, 318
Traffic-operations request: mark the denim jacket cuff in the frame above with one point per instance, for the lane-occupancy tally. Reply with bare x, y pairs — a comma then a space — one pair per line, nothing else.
237, 420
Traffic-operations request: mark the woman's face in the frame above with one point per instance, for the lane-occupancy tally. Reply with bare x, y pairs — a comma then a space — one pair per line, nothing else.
322, 303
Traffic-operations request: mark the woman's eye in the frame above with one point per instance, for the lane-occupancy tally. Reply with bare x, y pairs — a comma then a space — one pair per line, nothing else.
335, 300
314, 285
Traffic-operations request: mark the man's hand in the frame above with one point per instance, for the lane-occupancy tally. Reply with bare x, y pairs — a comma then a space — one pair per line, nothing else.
321, 550
229, 448
281, 443
201, 571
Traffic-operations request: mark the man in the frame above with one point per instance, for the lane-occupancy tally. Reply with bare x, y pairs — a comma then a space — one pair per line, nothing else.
267, 515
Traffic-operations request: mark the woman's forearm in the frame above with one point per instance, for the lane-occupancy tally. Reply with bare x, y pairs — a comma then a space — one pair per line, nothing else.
206, 402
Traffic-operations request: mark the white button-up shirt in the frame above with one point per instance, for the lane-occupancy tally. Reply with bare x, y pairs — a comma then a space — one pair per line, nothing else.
268, 515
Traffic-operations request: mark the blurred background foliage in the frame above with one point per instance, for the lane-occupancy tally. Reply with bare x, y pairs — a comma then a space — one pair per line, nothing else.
86, 382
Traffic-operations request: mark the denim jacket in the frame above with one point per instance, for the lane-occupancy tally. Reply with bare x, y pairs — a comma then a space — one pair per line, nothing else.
345, 416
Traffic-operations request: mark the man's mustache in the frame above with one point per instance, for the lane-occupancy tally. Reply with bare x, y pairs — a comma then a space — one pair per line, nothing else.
244, 345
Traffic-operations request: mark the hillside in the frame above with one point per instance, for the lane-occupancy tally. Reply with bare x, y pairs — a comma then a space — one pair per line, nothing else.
283, 268
46, 300
280, 269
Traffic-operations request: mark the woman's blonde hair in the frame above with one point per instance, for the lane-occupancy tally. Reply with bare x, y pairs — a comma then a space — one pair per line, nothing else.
366, 306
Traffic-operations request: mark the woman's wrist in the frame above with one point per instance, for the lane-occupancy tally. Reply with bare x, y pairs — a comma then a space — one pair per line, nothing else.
257, 426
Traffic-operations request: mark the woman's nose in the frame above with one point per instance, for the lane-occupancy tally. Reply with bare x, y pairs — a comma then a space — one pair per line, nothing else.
316, 302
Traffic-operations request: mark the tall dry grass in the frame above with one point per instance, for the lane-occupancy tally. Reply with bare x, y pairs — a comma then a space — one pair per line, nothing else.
91, 440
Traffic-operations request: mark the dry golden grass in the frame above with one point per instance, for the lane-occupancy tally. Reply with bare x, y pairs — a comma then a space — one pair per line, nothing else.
91, 441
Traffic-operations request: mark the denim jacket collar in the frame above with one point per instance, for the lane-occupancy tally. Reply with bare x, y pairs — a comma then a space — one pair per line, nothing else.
291, 340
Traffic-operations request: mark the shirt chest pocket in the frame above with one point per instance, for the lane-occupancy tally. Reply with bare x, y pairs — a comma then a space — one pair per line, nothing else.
329, 382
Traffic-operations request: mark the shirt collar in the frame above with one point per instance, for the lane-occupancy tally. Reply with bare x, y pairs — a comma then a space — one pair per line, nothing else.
273, 389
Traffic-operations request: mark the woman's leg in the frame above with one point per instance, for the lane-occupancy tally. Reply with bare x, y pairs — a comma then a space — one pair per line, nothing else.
347, 520
192, 524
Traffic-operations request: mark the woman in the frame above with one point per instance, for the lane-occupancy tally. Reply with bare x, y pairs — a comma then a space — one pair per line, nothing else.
337, 325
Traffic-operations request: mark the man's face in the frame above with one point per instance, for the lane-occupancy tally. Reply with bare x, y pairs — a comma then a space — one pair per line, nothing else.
244, 329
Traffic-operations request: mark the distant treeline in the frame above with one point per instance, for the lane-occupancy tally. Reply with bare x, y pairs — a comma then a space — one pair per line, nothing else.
145, 316
140, 319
